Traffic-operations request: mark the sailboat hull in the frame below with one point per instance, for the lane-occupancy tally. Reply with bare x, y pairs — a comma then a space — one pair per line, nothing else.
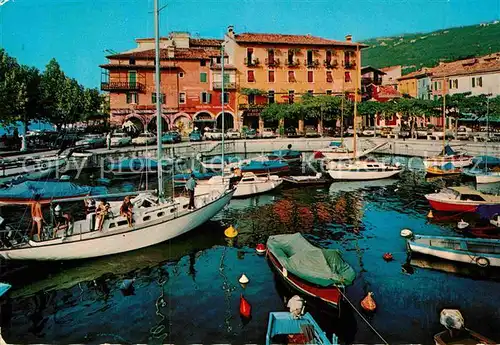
122, 241
493, 177
356, 175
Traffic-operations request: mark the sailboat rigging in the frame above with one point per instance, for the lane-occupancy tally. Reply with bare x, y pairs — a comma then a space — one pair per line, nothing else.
357, 169
155, 219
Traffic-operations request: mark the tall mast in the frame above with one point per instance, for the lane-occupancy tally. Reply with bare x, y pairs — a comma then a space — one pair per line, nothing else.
222, 101
444, 114
342, 111
158, 100
355, 145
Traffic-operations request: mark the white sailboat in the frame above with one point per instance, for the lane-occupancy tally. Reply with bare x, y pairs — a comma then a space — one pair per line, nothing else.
155, 219
358, 170
249, 185
19, 170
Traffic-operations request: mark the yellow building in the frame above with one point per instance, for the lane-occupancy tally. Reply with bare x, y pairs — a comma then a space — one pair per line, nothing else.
284, 67
408, 85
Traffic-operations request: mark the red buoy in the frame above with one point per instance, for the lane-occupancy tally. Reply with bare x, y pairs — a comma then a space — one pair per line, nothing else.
245, 307
387, 257
368, 303
261, 248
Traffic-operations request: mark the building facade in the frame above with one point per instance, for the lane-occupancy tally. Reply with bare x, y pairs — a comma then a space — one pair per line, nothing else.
407, 84
190, 84
281, 68
390, 78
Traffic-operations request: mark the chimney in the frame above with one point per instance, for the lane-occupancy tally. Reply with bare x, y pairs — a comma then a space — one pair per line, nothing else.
230, 31
348, 38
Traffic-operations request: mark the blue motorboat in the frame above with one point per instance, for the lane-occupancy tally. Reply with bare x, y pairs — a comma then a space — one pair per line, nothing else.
289, 156
302, 330
262, 167
486, 162
25, 192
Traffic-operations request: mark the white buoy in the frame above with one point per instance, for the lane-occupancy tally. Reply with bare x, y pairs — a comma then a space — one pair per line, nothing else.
406, 233
462, 225
244, 279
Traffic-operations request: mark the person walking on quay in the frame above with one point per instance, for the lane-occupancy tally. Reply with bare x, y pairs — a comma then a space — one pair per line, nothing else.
190, 186
108, 140
37, 217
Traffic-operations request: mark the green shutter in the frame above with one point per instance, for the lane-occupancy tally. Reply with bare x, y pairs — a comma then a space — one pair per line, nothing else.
209, 97
226, 78
203, 77
132, 78
153, 98
163, 98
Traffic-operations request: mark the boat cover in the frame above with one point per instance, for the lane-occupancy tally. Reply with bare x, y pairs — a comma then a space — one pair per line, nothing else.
4, 288
48, 190
218, 159
283, 153
323, 267
134, 164
483, 161
197, 175
447, 151
335, 144
263, 165
448, 166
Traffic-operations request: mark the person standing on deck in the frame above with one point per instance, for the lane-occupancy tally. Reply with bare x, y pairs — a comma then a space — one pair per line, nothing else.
37, 217
108, 140
190, 186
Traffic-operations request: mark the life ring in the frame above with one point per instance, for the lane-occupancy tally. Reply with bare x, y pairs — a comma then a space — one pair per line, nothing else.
481, 261
44, 165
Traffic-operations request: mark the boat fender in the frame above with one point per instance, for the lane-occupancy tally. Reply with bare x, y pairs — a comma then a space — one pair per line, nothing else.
245, 307
296, 305
368, 303
261, 248
430, 215
462, 225
244, 279
481, 261
407, 233
388, 257
285, 272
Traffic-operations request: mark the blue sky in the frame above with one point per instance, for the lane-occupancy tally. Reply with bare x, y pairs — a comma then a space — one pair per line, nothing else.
76, 32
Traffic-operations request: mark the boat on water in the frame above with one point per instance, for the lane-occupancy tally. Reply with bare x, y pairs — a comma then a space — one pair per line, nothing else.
260, 166
284, 328
481, 252
249, 185
482, 162
312, 271
317, 179
137, 166
444, 170
462, 199
25, 169
201, 177
25, 192
488, 177
155, 218
456, 332
448, 155
286, 155
361, 170
215, 163
337, 150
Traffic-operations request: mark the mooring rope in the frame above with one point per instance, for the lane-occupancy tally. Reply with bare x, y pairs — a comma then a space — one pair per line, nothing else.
363, 318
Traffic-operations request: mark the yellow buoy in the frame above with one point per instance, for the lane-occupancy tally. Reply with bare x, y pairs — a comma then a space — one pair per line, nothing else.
430, 215
230, 232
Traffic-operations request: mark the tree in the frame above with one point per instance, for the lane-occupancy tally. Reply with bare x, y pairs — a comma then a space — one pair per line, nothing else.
53, 85
11, 90
28, 108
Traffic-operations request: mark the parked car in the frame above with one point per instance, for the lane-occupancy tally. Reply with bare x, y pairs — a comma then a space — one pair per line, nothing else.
311, 132
291, 132
464, 133
267, 133
249, 133
144, 139
213, 134
422, 132
92, 141
195, 136
233, 134
120, 139
402, 132
369, 132
171, 137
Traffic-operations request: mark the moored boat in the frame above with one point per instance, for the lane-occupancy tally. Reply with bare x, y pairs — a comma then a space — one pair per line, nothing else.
249, 185
488, 177
137, 166
461, 199
448, 155
361, 170
456, 332
20, 170
261, 166
25, 192
482, 162
315, 272
215, 163
481, 252
201, 177
444, 170
287, 155
317, 179
295, 330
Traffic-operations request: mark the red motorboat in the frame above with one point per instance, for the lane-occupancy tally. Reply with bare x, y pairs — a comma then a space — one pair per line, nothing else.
461, 199
309, 269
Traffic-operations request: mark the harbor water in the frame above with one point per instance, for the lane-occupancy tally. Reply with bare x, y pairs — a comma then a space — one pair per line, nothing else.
187, 290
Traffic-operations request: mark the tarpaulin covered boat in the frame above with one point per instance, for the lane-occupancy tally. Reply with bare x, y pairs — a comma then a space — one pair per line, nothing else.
486, 162
24, 193
313, 271
289, 156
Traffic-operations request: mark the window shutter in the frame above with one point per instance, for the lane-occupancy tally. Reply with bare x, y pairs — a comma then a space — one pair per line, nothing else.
153, 98
480, 81
329, 77
250, 76
271, 76
209, 97
291, 76
203, 77
129, 98
473, 82
310, 76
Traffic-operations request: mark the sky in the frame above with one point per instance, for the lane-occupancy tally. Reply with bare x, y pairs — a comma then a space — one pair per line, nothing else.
78, 32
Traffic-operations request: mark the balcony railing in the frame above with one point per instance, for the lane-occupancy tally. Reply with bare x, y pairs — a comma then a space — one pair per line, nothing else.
122, 86
273, 62
252, 62
244, 106
331, 63
217, 85
293, 63
312, 64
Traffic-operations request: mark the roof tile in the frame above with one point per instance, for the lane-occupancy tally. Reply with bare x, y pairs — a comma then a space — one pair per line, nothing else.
290, 39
